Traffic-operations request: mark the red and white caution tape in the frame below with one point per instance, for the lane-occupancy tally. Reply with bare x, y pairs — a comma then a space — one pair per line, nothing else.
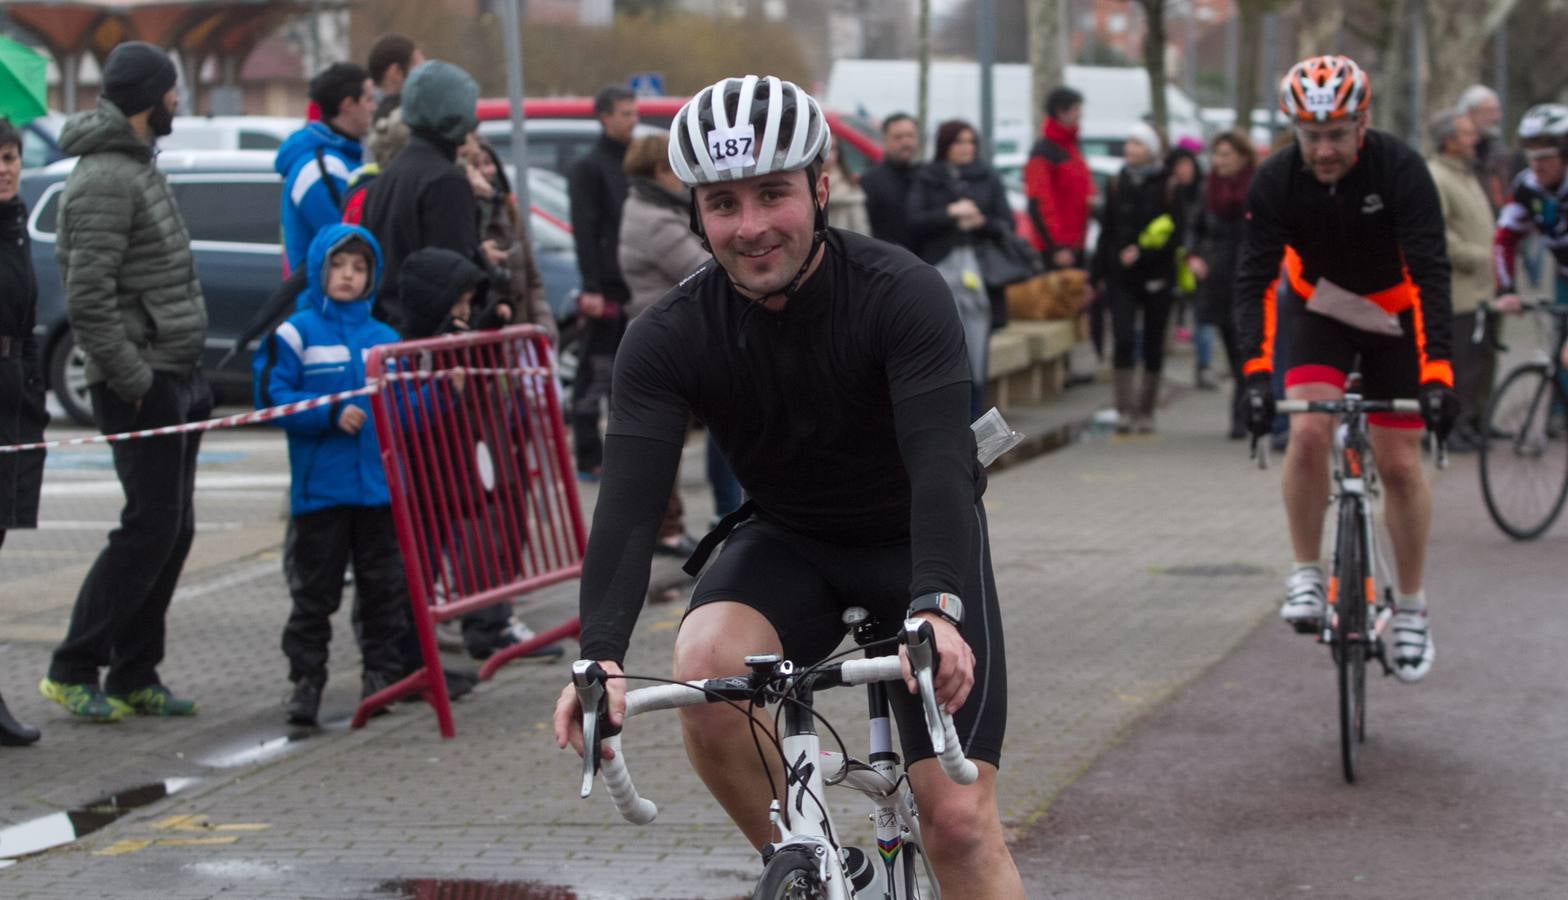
266, 415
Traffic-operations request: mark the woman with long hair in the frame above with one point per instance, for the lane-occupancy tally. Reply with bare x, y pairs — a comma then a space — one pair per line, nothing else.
957, 204
1214, 254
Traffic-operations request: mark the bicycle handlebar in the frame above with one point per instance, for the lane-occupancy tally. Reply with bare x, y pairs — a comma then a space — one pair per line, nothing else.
588, 678
1478, 334
1260, 448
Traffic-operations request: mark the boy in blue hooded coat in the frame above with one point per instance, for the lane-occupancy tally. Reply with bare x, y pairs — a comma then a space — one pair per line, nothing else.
338, 498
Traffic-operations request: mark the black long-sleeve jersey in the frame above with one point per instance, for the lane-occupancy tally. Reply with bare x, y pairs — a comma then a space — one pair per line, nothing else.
844, 416
1377, 232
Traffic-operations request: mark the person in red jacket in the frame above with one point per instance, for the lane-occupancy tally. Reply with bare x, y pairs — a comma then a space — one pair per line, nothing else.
1057, 183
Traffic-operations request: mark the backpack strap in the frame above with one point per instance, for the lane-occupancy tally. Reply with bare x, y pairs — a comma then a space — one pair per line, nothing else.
332, 189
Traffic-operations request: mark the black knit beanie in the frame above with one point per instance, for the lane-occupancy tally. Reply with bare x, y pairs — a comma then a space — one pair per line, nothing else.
136, 76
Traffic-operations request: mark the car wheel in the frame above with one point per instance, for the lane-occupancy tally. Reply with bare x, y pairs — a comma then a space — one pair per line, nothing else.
68, 380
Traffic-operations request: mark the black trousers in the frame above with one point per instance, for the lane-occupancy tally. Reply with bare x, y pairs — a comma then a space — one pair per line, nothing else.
595, 364
321, 545
1231, 341
118, 620
1128, 299
1475, 367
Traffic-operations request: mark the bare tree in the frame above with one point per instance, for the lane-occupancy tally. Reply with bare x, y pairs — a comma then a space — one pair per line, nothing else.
1457, 32
1251, 13
1154, 38
1320, 23
1045, 46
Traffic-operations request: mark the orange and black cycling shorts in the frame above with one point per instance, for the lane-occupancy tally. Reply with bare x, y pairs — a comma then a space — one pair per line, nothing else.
1321, 350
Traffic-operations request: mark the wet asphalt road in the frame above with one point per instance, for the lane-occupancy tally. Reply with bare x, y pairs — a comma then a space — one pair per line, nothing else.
1234, 789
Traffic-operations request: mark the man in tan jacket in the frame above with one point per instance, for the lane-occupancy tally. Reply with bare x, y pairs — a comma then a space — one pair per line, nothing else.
1467, 219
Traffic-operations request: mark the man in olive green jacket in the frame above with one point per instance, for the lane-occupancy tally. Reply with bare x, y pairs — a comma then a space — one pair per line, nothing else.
136, 310
1468, 224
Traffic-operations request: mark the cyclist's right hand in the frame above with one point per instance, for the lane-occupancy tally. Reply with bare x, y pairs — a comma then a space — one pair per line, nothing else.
1258, 403
569, 713
1508, 303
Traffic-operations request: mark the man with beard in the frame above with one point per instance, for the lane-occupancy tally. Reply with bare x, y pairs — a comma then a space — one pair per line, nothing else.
136, 310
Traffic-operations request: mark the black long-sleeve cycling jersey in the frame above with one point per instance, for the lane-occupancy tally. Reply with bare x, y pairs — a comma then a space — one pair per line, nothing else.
1377, 232
844, 416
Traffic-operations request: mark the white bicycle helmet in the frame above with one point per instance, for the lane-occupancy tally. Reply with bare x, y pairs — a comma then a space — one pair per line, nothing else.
744, 127
1544, 122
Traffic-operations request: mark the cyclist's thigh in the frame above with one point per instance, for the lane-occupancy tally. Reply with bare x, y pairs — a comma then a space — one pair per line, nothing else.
1391, 370
1321, 354
774, 572
880, 581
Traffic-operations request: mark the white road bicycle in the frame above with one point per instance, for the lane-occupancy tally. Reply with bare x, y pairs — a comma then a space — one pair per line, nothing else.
806, 860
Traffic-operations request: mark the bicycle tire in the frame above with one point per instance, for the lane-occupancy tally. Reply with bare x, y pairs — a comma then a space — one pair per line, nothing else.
1350, 634
790, 875
914, 875
1521, 438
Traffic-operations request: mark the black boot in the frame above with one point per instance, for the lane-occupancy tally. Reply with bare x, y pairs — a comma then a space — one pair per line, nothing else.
305, 703
12, 732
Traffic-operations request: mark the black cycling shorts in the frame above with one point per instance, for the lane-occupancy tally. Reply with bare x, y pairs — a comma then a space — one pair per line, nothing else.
1322, 350
803, 586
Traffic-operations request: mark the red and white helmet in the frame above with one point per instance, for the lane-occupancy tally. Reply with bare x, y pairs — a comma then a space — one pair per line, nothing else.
743, 127
1324, 89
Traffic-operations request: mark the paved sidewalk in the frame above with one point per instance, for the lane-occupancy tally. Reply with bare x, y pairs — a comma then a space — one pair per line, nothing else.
1126, 567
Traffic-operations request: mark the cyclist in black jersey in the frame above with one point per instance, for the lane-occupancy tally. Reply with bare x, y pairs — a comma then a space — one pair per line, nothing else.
1354, 217
831, 370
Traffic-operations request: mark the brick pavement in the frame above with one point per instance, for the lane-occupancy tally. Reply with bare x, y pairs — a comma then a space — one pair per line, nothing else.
1100, 552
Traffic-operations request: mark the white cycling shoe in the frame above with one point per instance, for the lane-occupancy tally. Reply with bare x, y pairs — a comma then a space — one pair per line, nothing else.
1304, 600
1412, 644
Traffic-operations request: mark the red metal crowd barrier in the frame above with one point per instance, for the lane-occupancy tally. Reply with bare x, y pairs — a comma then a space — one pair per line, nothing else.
483, 491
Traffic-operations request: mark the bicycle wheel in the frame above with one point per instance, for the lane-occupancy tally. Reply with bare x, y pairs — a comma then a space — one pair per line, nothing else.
791, 875
1524, 456
1350, 634
916, 881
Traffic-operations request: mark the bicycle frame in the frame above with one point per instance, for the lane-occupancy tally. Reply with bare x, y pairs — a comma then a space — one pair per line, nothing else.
1355, 480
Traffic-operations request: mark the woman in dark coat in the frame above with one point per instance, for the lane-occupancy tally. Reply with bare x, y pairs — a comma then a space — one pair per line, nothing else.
1136, 261
958, 201
1217, 242
22, 413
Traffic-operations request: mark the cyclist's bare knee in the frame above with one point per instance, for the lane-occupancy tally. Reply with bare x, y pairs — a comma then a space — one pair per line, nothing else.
716, 638
959, 823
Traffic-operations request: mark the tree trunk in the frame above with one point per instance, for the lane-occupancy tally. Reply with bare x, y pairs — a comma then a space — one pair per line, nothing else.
1045, 61
1154, 62
923, 54
1319, 24
1250, 42
1457, 33
1393, 79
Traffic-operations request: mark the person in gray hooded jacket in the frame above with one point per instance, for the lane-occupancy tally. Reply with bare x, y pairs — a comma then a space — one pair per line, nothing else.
136, 309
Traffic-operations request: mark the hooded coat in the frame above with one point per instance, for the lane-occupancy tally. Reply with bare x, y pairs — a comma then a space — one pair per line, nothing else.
321, 350
657, 247
430, 282
22, 411
131, 293
315, 163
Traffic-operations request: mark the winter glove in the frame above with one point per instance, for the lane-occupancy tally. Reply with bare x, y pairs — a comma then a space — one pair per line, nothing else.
1157, 233
1439, 408
1257, 400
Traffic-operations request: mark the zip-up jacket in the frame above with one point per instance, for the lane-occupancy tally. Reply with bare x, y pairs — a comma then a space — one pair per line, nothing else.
321, 350
1058, 185
315, 163
1531, 207
597, 187
1377, 232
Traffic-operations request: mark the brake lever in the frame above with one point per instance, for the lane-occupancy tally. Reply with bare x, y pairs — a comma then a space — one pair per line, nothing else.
920, 643
588, 679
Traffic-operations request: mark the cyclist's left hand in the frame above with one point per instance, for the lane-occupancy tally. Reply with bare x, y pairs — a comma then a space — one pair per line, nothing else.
955, 665
1439, 408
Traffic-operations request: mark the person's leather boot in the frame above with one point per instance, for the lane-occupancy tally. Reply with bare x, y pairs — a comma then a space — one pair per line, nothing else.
1148, 399
12, 732
1122, 390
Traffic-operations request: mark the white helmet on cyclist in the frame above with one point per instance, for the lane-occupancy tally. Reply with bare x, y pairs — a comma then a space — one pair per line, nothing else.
1544, 123
744, 127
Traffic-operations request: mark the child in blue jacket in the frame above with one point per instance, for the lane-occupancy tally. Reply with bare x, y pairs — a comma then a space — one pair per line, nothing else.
338, 498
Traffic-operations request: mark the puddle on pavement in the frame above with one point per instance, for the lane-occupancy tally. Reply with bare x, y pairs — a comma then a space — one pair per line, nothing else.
463, 889
255, 750
61, 828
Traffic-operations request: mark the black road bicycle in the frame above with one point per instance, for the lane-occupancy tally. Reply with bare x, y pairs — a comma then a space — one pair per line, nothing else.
1360, 586
1524, 446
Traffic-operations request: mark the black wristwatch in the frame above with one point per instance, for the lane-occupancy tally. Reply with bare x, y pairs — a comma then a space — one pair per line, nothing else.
946, 605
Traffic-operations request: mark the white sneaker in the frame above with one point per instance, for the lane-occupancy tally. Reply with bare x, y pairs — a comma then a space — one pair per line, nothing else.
1304, 600
1413, 646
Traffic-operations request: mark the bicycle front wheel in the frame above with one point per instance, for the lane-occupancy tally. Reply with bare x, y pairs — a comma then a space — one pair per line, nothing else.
1524, 453
791, 875
1350, 639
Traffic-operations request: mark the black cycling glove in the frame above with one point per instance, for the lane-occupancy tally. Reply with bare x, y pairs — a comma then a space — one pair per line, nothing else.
1439, 408
1257, 401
